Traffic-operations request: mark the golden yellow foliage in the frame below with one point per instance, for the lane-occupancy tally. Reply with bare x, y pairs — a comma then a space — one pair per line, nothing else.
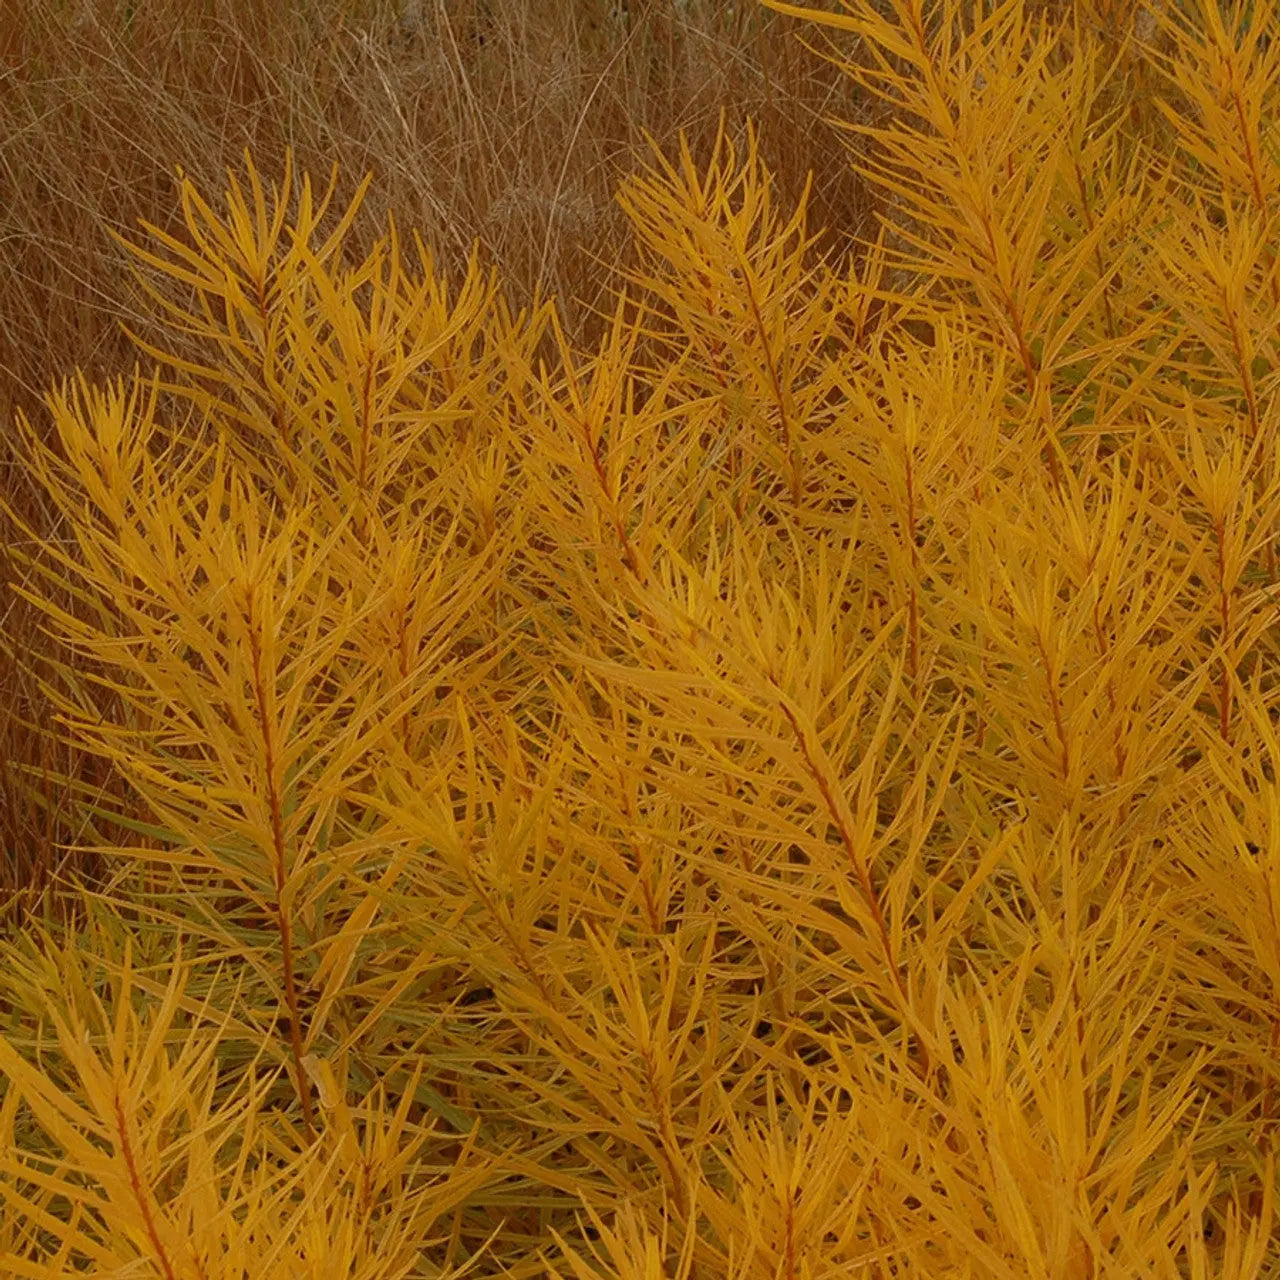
796, 783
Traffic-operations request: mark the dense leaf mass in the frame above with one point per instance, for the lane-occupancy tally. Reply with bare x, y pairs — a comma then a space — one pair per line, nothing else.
786, 789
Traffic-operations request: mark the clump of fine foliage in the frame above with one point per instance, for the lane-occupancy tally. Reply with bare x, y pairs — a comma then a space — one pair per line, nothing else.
789, 792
